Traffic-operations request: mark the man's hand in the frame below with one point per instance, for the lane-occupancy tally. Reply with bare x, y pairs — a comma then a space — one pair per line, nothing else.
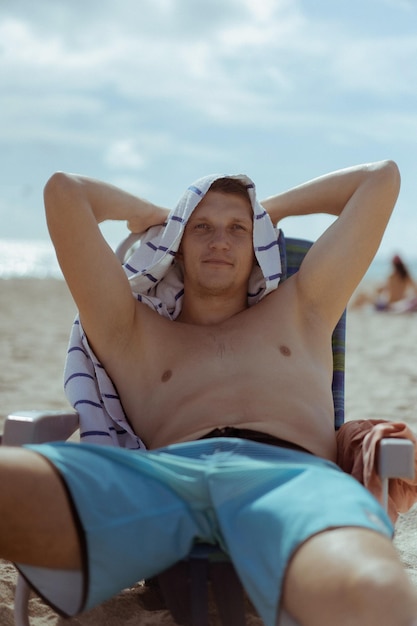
153, 216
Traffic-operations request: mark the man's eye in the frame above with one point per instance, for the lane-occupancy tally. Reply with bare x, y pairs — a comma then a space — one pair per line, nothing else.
201, 226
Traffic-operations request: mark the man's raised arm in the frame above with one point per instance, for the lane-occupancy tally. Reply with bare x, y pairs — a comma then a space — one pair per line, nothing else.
75, 205
362, 198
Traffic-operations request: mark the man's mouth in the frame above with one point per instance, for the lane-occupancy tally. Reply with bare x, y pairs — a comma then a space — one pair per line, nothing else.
215, 261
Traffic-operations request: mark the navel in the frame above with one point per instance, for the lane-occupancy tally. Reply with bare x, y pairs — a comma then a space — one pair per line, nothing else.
166, 376
285, 350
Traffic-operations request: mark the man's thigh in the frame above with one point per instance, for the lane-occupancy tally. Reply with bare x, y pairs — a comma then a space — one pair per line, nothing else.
266, 525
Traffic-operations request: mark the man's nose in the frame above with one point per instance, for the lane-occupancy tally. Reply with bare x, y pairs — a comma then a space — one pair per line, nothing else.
219, 238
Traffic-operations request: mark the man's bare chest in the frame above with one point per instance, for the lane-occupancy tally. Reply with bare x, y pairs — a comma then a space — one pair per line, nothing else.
208, 351
193, 358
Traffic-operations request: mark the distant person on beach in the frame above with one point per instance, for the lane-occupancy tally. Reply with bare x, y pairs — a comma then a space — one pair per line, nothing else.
233, 402
398, 294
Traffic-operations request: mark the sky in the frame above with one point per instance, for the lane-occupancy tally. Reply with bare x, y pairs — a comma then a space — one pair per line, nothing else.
150, 95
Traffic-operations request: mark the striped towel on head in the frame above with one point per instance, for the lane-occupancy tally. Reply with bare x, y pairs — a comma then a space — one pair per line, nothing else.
156, 280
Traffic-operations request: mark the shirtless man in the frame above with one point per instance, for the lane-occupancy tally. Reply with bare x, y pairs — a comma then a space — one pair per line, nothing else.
267, 368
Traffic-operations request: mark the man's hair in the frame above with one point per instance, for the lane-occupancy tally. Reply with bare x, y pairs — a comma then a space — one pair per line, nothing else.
229, 185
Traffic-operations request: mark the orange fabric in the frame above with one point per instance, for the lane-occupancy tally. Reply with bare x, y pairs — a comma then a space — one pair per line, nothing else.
357, 454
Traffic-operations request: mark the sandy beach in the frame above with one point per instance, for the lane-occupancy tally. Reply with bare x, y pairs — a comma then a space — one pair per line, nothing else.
35, 318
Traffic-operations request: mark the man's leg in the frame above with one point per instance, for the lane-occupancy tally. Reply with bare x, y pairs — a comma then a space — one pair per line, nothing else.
36, 521
349, 577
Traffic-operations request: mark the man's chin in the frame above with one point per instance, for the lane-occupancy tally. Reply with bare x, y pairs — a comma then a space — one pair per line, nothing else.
217, 288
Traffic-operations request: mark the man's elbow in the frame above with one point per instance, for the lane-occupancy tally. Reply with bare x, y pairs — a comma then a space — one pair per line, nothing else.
59, 193
392, 176
56, 185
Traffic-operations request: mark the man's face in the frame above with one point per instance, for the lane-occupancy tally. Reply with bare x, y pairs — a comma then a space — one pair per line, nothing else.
217, 246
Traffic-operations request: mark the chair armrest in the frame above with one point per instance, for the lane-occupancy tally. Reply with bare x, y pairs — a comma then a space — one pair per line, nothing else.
23, 427
396, 458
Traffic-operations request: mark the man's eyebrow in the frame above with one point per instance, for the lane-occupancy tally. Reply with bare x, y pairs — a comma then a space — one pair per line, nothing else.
244, 219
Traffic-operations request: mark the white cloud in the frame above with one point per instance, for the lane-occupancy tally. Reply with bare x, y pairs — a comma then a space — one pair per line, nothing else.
124, 154
131, 89
379, 67
229, 72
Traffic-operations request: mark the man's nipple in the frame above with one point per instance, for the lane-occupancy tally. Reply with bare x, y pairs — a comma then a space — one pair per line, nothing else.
166, 376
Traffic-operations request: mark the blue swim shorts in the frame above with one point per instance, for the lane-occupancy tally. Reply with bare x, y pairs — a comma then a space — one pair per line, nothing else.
140, 512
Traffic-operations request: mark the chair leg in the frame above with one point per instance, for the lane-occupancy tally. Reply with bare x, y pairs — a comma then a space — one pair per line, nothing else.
185, 589
21, 602
199, 592
229, 595
175, 587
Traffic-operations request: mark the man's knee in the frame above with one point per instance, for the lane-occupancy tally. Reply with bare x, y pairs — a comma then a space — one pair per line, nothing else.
374, 592
36, 522
352, 576
377, 582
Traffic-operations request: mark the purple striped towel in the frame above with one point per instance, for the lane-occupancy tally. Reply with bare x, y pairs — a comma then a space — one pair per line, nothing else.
156, 281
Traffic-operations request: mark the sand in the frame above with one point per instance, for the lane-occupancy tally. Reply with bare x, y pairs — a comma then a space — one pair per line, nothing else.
35, 318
